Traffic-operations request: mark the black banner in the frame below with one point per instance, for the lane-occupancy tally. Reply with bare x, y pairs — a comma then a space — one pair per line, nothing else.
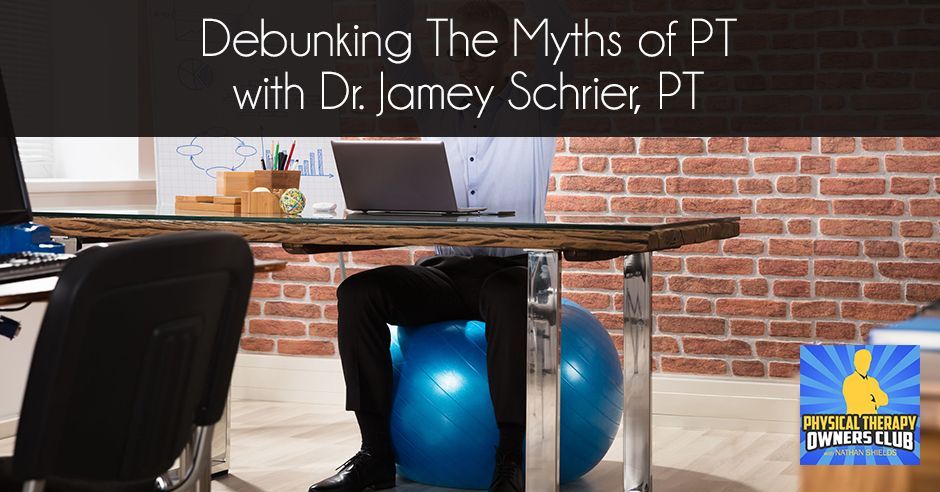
446, 68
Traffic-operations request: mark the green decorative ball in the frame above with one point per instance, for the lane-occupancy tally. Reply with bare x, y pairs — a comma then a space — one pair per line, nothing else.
293, 201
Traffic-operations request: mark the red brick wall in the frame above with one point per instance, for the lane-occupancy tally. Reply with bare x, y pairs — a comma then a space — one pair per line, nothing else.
838, 234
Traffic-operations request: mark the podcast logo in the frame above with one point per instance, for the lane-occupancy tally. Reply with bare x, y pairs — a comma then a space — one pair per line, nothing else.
860, 405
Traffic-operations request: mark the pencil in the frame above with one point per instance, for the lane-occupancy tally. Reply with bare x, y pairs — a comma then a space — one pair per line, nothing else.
277, 157
290, 154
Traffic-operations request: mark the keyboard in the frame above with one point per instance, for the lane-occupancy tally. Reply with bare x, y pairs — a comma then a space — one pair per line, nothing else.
29, 265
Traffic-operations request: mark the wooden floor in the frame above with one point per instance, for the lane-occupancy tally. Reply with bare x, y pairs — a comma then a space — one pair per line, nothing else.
287, 446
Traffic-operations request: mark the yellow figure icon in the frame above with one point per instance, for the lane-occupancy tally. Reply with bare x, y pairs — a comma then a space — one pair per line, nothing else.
861, 391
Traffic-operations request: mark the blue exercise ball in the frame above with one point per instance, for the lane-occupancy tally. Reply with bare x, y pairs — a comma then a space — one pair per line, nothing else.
443, 428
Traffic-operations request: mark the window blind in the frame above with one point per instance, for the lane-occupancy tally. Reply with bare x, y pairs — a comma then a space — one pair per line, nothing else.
24, 48
37, 156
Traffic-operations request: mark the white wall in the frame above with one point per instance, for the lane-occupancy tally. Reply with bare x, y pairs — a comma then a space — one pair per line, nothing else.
14, 362
677, 400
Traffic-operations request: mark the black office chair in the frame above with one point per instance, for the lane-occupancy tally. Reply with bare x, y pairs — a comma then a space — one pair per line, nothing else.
134, 356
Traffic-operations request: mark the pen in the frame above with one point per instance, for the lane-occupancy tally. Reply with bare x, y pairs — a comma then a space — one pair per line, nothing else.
290, 154
262, 165
277, 157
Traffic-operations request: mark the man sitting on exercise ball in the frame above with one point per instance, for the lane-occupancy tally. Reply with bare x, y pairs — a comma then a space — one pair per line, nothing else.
486, 284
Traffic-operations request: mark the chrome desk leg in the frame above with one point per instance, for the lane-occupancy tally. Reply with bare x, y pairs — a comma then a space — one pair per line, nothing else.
637, 330
543, 348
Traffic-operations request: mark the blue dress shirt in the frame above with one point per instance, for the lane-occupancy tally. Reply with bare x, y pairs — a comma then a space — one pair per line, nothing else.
499, 173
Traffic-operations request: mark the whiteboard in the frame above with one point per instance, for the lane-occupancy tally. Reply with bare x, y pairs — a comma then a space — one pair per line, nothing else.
189, 165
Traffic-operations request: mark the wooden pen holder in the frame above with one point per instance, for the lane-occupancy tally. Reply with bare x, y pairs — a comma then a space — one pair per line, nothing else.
277, 180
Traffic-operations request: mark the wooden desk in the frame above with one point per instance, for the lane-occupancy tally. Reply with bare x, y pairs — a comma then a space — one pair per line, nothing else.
578, 241
546, 244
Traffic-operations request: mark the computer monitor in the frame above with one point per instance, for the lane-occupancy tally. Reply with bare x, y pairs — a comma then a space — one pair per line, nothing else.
14, 200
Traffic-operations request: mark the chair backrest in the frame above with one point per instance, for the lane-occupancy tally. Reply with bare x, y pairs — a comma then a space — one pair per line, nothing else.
136, 347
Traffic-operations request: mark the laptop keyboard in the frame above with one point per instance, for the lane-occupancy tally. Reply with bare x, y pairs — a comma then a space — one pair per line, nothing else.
29, 265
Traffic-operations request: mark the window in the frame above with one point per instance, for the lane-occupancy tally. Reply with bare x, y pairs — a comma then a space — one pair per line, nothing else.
96, 158
37, 156
24, 40
51, 162
80, 158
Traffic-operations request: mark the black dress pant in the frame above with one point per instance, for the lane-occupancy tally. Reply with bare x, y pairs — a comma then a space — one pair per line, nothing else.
486, 288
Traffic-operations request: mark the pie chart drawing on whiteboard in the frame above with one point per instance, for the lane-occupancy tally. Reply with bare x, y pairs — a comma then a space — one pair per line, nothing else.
235, 155
194, 74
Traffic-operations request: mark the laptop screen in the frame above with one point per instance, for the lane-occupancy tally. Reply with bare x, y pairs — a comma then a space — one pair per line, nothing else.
14, 201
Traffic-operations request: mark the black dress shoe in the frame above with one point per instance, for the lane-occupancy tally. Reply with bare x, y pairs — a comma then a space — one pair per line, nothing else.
508, 475
363, 471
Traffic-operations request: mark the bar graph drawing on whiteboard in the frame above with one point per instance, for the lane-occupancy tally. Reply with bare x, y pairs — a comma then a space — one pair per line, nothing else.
313, 166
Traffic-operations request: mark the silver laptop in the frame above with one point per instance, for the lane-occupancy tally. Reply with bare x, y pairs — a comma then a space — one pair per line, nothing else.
396, 177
